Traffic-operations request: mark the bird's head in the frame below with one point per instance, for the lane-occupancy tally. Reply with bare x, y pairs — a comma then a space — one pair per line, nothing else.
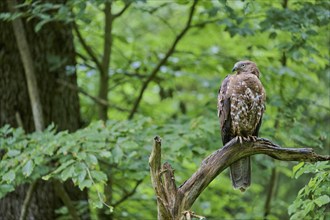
246, 66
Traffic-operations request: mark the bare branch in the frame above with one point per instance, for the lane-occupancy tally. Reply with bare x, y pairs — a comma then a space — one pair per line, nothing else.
86, 60
87, 48
76, 88
156, 8
94, 98
128, 194
27, 200
203, 23
60, 191
122, 10
211, 167
270, 193
163, 60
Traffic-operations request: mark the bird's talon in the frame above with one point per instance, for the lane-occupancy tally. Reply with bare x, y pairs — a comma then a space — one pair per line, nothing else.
253, 138
247, 139
240, 139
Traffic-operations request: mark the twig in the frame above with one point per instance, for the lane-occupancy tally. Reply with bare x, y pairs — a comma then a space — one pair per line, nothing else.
87, 48
128, 194
27, 200
85, 59
122, 10
19, 120
156, 8
163, 60
203, 23
60, 191
98, 192
270, 193
94, 98
79, 89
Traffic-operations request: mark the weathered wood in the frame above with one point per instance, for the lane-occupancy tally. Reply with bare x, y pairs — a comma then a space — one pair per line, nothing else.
155, 172
173, 202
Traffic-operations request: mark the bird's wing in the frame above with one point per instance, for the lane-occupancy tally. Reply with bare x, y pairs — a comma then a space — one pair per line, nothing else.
262, 104
224, 109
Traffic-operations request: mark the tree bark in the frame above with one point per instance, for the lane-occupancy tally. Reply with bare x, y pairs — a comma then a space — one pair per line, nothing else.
53, 57
174, 203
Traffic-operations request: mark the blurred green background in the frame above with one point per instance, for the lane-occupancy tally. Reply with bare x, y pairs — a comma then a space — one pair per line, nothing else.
159, 64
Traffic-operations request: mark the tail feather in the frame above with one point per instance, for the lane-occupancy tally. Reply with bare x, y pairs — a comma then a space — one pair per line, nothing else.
240, 174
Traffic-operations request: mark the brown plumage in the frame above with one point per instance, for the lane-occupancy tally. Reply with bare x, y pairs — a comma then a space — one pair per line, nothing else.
241, 103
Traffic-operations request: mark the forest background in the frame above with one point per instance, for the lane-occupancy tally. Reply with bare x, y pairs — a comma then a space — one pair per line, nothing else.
113, 74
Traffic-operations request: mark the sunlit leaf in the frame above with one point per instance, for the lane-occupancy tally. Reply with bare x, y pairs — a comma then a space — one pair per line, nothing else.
28, 168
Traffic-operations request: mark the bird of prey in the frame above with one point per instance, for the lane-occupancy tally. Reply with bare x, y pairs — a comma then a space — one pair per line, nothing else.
241, 104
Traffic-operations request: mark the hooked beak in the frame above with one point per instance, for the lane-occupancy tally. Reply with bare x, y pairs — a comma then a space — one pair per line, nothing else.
234, 69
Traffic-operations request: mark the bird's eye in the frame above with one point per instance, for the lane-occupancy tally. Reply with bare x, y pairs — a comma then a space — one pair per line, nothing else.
243, 65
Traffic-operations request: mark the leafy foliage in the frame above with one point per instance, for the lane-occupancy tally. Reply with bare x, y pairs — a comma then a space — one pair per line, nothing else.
79, 156
313, 200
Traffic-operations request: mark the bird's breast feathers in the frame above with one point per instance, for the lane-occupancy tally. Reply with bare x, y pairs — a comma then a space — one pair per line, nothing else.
247, 97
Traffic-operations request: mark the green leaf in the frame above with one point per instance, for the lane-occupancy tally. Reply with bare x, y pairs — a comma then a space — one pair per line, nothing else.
68, 172
28, 168
9, 177
309, 206
296, 168
81, 176
99, 176
13, 153
5, 188
40, 24
85, 183
62, 167
91, 159
322, 200
105, 154
117, 153
97, 204
81, 155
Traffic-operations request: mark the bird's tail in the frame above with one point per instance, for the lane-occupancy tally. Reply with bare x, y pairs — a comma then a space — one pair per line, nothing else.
240, 174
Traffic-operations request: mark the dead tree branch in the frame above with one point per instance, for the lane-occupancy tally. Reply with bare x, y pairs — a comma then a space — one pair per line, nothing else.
173, 202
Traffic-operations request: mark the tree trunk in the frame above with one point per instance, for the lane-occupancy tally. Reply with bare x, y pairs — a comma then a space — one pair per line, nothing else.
53, 56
